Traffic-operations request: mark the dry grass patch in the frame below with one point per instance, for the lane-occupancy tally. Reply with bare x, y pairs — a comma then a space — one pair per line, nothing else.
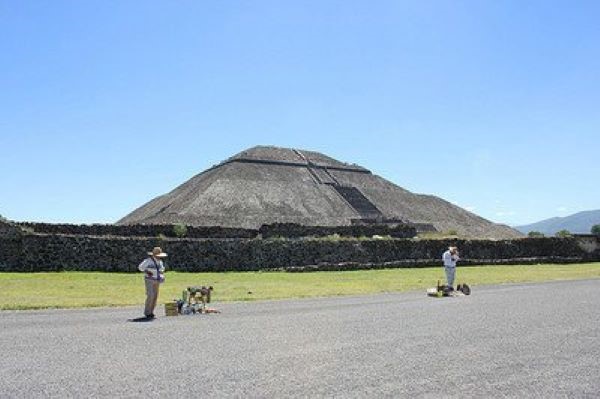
83, 289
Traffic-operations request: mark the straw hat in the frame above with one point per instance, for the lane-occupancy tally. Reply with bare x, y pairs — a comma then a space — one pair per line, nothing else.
156, 251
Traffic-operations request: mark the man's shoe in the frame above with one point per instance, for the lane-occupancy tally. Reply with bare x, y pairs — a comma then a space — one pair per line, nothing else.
151, 316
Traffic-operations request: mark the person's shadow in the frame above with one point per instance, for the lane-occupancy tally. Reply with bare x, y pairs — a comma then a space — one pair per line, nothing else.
141, 320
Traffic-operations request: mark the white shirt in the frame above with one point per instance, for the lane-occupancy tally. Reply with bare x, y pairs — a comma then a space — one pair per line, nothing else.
148, 265
449, 259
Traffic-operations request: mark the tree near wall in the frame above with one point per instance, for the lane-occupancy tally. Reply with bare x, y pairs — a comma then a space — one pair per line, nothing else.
180, 230
563, 233
535, 234
596, 229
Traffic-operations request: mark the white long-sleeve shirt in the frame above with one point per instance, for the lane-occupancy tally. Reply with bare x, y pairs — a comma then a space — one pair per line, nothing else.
157, 268
449, 259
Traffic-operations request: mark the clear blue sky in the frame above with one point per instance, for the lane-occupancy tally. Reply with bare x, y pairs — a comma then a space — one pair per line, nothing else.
493, 105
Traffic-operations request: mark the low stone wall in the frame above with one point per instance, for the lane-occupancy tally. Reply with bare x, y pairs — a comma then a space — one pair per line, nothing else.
293, 230
55, 252
287, 230
416, 263
138, 230
9, 230
10, 253
10, 245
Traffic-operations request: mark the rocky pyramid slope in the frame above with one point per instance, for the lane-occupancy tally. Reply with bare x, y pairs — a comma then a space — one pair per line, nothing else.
270, 184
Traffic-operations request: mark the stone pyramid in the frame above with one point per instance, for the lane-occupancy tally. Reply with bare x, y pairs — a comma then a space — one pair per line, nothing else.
265, 184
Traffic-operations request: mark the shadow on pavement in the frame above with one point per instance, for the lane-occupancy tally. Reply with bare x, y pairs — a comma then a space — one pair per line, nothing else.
140, 320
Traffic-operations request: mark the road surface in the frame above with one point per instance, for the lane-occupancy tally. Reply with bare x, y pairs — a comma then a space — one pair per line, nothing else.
525, 340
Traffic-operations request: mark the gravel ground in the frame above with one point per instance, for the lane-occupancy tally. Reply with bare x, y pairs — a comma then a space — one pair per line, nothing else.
535, 340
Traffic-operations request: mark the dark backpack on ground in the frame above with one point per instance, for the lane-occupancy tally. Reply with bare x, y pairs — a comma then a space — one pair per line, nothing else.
465, 289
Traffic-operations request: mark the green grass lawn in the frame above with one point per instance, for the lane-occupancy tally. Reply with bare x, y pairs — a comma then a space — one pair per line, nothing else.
82, 289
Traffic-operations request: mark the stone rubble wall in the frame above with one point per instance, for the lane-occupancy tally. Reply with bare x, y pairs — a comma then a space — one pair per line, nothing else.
293, 230
287, 230
32, 252
138, 230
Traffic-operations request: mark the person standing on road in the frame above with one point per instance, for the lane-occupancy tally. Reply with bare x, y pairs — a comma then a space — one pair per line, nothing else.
154, 270
450, 257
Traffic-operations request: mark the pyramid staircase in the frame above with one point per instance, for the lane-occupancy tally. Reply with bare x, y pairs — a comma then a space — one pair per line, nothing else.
357, 200
352, 195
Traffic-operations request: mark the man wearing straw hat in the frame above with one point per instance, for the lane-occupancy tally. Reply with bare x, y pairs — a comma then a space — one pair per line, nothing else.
154, 269
450, 257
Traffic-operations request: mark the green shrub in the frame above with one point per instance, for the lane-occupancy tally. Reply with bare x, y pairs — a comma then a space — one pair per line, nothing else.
596, 229
563, 233
332, 237
180, 230
535, 234
378, 237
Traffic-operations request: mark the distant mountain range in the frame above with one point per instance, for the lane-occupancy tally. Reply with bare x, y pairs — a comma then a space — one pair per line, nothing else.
580, 222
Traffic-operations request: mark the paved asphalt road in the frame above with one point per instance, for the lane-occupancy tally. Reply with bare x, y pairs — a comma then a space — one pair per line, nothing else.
537, 340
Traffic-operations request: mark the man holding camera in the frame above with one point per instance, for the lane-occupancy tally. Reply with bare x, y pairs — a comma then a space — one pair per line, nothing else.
450, 257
